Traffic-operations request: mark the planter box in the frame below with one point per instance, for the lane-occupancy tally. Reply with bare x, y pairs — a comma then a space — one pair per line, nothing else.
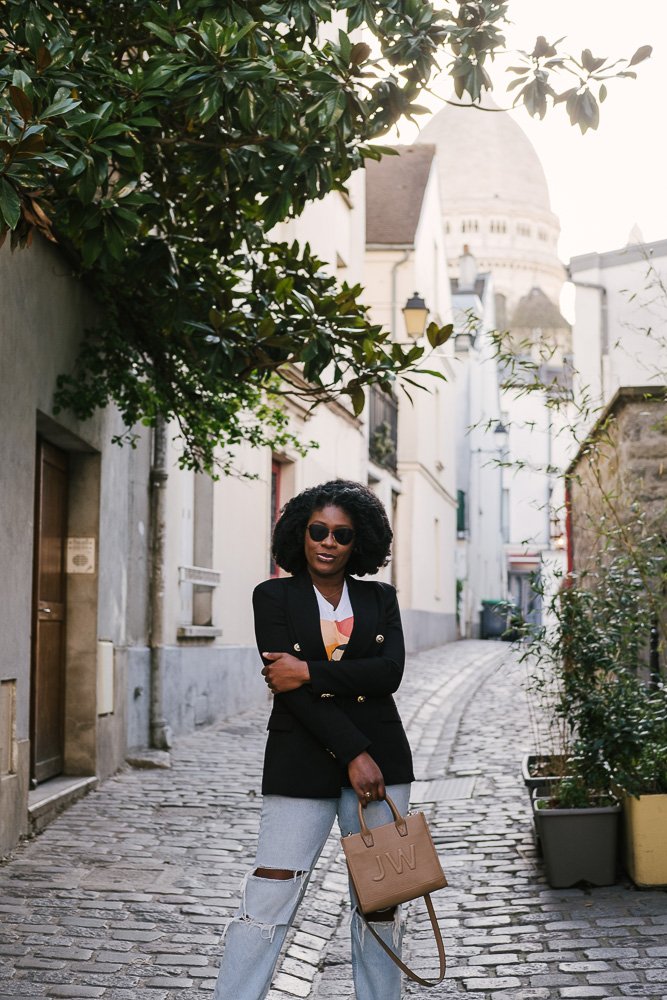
578, 845
646, 839
532, 781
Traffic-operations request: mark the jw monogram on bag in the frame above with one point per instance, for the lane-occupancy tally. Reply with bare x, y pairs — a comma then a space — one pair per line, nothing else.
396, 861
392, 864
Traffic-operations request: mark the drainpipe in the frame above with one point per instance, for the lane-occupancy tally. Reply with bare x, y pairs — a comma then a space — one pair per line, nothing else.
160, 733
394, 269
604, 322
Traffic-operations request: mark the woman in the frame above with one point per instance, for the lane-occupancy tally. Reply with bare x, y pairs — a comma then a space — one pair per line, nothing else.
333, 655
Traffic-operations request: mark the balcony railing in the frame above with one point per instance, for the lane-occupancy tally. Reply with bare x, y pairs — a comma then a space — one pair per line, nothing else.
383, 429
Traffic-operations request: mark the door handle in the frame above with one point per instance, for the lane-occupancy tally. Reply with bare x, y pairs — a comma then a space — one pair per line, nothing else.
46, 611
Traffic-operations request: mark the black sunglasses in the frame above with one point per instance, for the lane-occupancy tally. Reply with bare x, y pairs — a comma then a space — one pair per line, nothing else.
318, 532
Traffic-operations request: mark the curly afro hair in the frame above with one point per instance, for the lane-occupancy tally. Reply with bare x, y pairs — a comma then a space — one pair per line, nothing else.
373, 536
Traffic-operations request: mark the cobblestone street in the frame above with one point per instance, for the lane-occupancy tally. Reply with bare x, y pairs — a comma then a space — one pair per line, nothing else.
125, 895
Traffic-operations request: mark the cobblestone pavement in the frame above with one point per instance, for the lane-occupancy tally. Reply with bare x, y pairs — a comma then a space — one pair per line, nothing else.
126, 894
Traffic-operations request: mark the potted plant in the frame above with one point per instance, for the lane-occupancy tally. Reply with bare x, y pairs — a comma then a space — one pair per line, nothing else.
614, 709
578, 832
573, 664
547, 763
636, 752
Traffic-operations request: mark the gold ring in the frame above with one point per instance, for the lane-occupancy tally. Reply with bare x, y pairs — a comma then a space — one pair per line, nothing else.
369, 795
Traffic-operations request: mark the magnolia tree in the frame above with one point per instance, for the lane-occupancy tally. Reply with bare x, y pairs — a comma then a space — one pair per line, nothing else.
159, 143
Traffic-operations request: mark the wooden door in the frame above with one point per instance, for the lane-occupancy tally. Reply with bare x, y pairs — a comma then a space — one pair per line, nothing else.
276, 490
48, 637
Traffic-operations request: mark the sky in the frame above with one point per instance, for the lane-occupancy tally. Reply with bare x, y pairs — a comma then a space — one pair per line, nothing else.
604, 182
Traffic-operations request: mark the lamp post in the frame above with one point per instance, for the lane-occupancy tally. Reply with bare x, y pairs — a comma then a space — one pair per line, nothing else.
415, 314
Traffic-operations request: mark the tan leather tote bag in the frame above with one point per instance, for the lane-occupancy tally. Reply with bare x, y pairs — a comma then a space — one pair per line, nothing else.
392, 864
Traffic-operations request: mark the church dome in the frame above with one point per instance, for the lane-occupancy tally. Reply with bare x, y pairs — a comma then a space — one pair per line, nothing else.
486, 157
495, 199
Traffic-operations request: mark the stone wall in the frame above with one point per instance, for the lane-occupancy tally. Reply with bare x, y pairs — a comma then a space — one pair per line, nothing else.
618, 480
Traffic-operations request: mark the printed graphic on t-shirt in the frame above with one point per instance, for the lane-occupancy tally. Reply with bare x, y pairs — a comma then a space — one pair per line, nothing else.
336, 624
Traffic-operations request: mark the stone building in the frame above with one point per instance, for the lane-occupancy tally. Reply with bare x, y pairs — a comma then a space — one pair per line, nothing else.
619, 475
74, 526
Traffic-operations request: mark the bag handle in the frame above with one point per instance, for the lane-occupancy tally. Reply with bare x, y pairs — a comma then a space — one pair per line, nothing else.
402, 966
399, 822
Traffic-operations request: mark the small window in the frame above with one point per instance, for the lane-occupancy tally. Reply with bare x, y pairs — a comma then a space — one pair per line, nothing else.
197, 579
461, 513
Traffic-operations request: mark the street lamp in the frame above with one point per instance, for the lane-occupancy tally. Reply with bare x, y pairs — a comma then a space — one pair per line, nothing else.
415, 314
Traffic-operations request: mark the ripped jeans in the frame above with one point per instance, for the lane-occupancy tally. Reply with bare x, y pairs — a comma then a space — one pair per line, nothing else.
292, 834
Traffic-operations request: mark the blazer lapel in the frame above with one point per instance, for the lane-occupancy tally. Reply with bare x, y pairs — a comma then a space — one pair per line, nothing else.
305, 616
365, 610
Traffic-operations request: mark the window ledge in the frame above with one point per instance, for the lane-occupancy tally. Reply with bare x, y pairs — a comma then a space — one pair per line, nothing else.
197, 632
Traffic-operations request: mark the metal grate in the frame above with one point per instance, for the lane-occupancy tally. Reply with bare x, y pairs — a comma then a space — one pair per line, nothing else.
442, 788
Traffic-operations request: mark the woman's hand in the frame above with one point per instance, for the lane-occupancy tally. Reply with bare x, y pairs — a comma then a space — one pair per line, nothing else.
285, 672
366, 778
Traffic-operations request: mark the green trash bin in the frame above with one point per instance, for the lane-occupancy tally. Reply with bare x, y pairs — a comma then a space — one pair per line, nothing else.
493, 619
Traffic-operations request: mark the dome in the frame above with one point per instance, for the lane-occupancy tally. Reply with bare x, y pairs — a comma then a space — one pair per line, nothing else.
538, 321
535, 310
495, 199
485, 156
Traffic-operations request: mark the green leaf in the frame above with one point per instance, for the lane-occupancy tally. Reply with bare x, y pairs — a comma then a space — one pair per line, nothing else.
358, 398
54, 160
161, 33
22, 81
359, 53
239, 35
283, 288
438, 335
21, 102
60, 107
589, 62
10, 204
115, 128
642, 53
44, 58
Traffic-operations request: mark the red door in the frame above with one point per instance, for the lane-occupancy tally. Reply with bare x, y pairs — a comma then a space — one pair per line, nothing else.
48, 637
275, 508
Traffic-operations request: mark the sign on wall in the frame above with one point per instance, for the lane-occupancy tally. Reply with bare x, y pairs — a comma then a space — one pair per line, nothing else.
80, 555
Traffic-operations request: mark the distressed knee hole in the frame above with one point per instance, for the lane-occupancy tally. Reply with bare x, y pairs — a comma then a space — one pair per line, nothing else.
382, 916
277, 873
266, 931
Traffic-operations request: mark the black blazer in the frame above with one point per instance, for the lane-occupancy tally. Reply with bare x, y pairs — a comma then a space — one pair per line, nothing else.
315, 731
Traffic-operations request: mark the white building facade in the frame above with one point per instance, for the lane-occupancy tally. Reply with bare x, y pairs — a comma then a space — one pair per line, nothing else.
405, 253
619, 336
496, 212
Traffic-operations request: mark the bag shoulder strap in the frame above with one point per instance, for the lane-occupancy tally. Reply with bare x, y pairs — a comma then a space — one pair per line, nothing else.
438, 939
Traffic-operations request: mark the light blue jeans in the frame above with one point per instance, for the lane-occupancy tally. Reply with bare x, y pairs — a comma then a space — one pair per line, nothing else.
292, 833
